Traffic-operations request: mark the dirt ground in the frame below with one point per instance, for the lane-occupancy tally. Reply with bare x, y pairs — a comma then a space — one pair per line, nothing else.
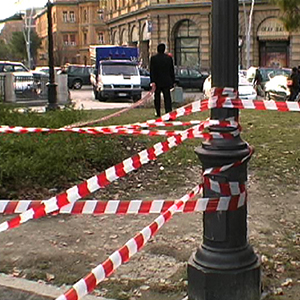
62, 249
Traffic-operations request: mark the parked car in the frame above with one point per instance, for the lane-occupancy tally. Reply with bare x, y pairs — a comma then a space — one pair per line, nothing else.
243, 73
78, 75
45, 70
145, 79
24, 78
267, 73
245, 88
189, 78
276, 88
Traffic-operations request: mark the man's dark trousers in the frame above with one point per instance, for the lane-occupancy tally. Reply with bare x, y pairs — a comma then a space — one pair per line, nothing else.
167, 99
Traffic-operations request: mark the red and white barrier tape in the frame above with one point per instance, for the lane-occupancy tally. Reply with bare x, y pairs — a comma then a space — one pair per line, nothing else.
98, 274
191, 108
144, 100
198, 133
118, 129
125, 207
220, 100
134, 245
105, 178
87, 284
99, 181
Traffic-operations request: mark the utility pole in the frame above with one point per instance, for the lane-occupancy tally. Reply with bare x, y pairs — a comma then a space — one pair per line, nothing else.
52, 99
225, 266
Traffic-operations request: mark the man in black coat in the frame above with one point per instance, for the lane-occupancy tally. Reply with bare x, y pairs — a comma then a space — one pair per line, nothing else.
163, 77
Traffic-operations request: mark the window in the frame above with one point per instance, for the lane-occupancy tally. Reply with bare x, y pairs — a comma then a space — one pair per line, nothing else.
115, 69
184, 73
101, 38
65, 39
12, 68
54, 18
85, 16
187, 44
19, 69
72, 39
72, 16
101, 14
8, 68
84, 38
65, 16
195, 73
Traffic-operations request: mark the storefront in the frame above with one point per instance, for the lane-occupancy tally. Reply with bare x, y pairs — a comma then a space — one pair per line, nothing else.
274, 43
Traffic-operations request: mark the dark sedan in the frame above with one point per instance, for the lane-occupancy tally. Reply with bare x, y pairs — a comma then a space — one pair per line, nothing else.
189, 78
145, 79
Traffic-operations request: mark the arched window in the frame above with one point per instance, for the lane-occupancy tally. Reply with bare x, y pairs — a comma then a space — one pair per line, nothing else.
124, 37
187, 44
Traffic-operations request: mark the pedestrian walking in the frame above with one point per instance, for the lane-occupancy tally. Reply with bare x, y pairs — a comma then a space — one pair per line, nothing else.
257, 83
293, 84
162, 77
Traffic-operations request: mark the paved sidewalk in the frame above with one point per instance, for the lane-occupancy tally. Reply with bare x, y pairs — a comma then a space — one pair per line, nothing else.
13, 288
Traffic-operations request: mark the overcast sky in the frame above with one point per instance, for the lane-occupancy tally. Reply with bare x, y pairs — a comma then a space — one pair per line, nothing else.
10, 7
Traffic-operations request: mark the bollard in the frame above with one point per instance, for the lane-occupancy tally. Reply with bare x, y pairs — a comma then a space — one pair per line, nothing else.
9, 90
62, 89
225, 266
177, 94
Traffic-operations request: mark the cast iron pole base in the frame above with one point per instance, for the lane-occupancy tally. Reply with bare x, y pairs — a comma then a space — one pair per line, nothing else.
225, 266
52, 103
216, 284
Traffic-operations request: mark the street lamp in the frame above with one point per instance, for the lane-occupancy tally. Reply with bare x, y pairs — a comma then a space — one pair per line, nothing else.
52, 100
225, 266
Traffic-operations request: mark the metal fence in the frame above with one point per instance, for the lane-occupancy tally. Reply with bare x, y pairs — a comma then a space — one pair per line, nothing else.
26, 87
32, 90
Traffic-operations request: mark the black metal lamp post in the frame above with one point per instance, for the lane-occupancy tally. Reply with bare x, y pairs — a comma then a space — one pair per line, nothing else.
225, 266
52, 100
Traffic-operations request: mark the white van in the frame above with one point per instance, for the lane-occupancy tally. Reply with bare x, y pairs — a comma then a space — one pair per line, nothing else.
116, 79
116, 72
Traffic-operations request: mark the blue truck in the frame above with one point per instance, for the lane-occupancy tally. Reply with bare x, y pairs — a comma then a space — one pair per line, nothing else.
115, 74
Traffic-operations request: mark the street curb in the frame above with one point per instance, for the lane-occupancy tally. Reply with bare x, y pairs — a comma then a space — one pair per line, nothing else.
38, 288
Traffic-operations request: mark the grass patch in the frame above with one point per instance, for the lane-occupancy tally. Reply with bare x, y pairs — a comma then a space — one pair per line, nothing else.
56, 160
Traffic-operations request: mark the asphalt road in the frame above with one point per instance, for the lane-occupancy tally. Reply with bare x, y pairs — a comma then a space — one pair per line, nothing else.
84, 99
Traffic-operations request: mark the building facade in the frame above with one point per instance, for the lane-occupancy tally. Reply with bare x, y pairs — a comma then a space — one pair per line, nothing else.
185, 27
77, 24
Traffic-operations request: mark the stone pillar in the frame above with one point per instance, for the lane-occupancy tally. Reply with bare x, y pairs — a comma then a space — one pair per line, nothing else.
10, 95
62, 89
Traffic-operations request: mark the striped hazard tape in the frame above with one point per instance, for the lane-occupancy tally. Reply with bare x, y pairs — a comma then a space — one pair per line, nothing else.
99, 181
232, 194
124, 130
120, 170
104, 270
121, 256
124, 207
144, 100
